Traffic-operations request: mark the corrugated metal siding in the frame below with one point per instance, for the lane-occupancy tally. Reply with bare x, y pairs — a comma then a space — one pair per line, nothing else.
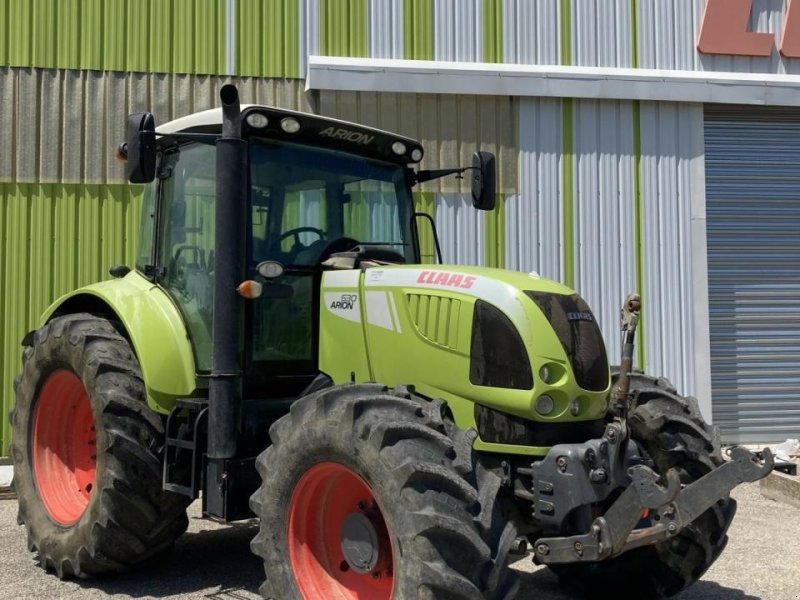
45, 110
386, 29
493, 30
604, 211
55, 237
418, 29
534, 240
671, 144
531, 32
602, 33
267, 38
182, 36
458, 27
753, 203
343, 27
461, 230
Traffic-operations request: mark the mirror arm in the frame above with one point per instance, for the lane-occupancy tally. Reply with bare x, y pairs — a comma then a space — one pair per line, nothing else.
423, 176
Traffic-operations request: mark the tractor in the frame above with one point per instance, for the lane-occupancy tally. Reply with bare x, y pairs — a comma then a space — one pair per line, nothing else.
401, 430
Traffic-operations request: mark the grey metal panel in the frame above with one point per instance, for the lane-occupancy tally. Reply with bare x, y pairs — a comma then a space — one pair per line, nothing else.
531, 30
602, 33
458, 30
64, 125
385, 28
669, 152
753, 205
461, 230
604, 208
534, 218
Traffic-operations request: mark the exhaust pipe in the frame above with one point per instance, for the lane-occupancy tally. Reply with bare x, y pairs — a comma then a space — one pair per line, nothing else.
225, 388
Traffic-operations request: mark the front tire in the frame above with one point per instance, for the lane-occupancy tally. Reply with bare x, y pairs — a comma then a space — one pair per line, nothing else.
86, 452
671, 431
358, 464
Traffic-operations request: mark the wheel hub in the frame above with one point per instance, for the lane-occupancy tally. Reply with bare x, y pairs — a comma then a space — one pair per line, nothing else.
361, 540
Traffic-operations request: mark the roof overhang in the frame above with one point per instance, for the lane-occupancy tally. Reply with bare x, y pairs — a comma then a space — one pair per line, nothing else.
440, 77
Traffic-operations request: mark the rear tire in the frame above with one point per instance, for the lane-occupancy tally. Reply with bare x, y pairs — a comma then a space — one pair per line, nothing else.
441, 531
672, 432
86, 453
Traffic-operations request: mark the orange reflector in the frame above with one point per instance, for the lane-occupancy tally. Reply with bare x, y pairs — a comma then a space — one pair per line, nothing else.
121, 153
250, 289
645, 513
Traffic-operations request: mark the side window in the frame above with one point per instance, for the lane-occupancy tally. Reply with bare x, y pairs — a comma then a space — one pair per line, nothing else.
371, 214
144, 256
187, 241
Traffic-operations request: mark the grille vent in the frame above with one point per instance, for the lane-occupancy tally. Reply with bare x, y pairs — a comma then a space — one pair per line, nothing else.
436, 318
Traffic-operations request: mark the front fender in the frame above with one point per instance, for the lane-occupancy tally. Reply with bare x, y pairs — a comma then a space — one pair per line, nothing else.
154, 326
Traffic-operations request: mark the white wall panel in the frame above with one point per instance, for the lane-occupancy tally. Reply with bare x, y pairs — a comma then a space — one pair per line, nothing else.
534, 219
602, 33
461, 230
676, 332
531, 32
458, 30
385, 28
604, 209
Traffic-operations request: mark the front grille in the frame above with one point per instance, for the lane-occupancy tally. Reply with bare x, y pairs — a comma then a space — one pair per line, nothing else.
500, 428
577, 330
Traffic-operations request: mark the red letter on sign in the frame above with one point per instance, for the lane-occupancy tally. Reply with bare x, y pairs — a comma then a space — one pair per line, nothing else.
724, 30
790, 41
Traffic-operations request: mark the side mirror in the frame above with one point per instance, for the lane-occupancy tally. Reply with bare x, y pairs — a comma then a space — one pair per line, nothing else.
141, 148
483, 181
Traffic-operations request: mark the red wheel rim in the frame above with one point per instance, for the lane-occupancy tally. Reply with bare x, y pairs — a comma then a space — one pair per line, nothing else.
324, 497
64, 447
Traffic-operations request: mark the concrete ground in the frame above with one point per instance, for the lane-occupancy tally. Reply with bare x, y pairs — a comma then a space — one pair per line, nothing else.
762, 562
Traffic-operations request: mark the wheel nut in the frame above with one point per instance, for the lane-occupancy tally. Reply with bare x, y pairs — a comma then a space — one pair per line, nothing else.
578, 548
672, 528
561, 463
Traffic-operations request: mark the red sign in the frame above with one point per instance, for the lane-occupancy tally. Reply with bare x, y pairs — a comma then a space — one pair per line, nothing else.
724, 30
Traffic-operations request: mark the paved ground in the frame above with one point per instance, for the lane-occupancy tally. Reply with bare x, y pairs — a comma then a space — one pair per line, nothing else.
762, 562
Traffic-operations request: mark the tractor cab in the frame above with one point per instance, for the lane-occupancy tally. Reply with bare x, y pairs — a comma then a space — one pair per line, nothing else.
315, 187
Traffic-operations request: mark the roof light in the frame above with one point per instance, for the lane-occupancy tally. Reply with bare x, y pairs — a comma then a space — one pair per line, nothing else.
270, 269
290, 124
416, 155
399, 148
257, 120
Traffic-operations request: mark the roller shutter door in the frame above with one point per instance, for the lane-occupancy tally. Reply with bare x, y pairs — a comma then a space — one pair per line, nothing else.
753, 220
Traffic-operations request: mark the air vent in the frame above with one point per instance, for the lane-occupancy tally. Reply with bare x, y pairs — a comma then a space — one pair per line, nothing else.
436, 318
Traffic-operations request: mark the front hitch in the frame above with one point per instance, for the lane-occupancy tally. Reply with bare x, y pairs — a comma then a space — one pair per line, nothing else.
671, 510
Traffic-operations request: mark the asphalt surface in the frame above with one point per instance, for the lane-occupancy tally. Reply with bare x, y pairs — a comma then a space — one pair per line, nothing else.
762, 562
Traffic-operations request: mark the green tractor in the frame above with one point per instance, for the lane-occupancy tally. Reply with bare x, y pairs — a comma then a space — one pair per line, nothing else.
401, 430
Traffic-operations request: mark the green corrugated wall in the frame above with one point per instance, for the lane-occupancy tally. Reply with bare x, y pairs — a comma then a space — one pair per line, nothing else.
53, 239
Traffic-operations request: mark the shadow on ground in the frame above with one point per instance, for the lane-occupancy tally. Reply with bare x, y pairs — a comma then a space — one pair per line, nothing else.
543, 585
218, 559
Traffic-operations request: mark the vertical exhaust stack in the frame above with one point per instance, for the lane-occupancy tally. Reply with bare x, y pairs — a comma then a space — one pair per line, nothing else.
225, 389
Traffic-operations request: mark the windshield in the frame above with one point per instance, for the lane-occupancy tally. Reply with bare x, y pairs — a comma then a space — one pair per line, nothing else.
309, 203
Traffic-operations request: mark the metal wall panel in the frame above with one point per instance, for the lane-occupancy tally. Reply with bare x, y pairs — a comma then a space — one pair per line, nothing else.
418, 29
531, 32
343, 27
55, 237
458, 30
602, 33
753, 204
183, 36
461, 230
47, 109
267, 38
386, 29
671, 138
604, 206
534, 225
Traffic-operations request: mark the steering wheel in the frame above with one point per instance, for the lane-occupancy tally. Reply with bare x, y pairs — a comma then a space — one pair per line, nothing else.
295, 232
